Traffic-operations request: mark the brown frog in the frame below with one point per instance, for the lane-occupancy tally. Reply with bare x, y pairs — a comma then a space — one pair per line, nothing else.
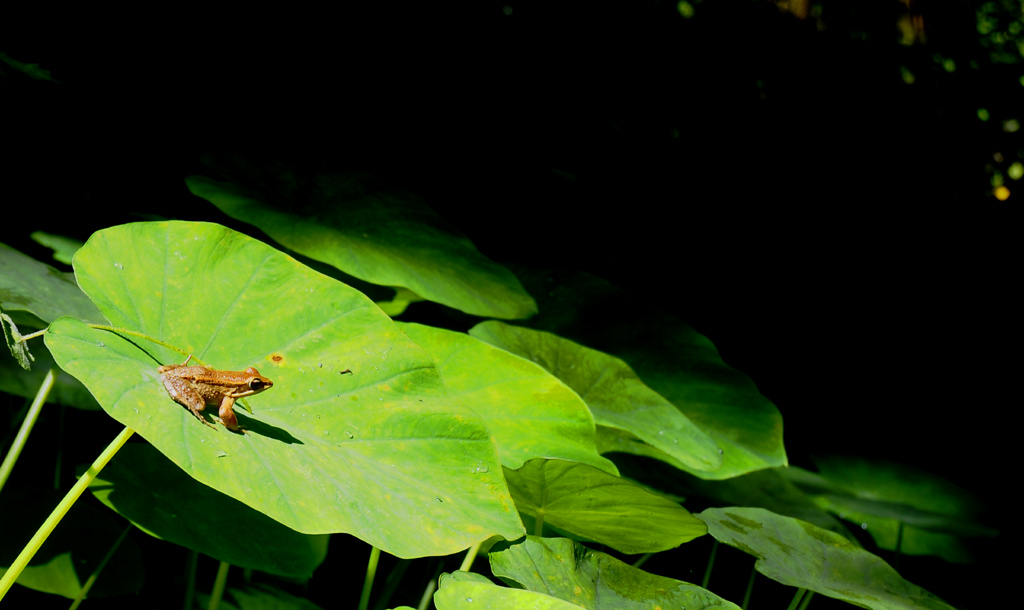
197, 386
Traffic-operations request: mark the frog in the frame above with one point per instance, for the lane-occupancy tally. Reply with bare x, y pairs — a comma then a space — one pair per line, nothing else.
194, 387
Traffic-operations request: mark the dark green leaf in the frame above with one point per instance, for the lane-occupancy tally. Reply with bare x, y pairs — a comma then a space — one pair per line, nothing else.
376, 233
672, 359
185, 512
799, 554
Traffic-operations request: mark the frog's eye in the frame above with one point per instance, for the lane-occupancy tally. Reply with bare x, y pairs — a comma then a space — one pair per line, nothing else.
255, 384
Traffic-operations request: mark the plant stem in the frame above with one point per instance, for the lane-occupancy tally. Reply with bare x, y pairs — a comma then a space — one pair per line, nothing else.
750, 588
796, 598
807, 600
58, 513
26, 426
711, 564
218, 585
190, 584
95, 573
371, 571
467, 561
134, 333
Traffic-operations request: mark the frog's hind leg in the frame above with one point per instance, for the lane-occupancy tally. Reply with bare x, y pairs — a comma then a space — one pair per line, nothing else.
187, 397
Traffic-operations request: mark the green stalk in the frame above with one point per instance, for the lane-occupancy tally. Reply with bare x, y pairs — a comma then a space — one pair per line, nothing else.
467, 561
218, 585
371, 571
26, 426
99, 569
711, 564
58, 513
796, 598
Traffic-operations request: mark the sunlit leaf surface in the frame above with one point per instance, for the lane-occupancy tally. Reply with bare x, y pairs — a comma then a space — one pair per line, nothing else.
357, 435
586, 502
529, 412
566, 570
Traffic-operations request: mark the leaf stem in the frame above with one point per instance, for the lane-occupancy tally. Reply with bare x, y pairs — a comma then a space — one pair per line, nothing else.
218, 585
467, 561
371, 571
796, 598
25, 338
99, 568
711, 564
26, 426
58, 513
134, 333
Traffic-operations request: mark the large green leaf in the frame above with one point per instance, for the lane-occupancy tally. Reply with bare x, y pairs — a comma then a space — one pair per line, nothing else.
799, 554
615, 395
376, 233
563, 569
185, 512
357, 435
595, 505
530, 413
73, 551
884, 497
37, 288
672, 359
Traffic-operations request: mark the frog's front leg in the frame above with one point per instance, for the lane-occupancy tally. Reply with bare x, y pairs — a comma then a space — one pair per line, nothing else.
184, 394
227, 415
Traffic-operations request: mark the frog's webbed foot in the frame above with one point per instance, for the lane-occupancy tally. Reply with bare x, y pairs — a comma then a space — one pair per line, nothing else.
203, 419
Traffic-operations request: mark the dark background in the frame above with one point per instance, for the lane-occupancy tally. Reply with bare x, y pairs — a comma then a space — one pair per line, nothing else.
771, 179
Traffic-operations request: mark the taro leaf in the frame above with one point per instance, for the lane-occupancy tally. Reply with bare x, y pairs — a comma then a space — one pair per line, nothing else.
66, 389
187, 513
595, 505
454, 594
357, 435
615, 395
671, 358
64, 248
73, 550
566, 570
530, 413
799, 554
379, 234
39, 289
880, 496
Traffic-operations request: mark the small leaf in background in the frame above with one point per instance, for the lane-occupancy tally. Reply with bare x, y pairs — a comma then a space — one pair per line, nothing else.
799, 554
375, 232
38, 289
64, 248
15, 343
357, 435
73, 551
32, 71
592, 504
671, 358
879, 496
530, 413
615, 395
183, 511
567, 570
